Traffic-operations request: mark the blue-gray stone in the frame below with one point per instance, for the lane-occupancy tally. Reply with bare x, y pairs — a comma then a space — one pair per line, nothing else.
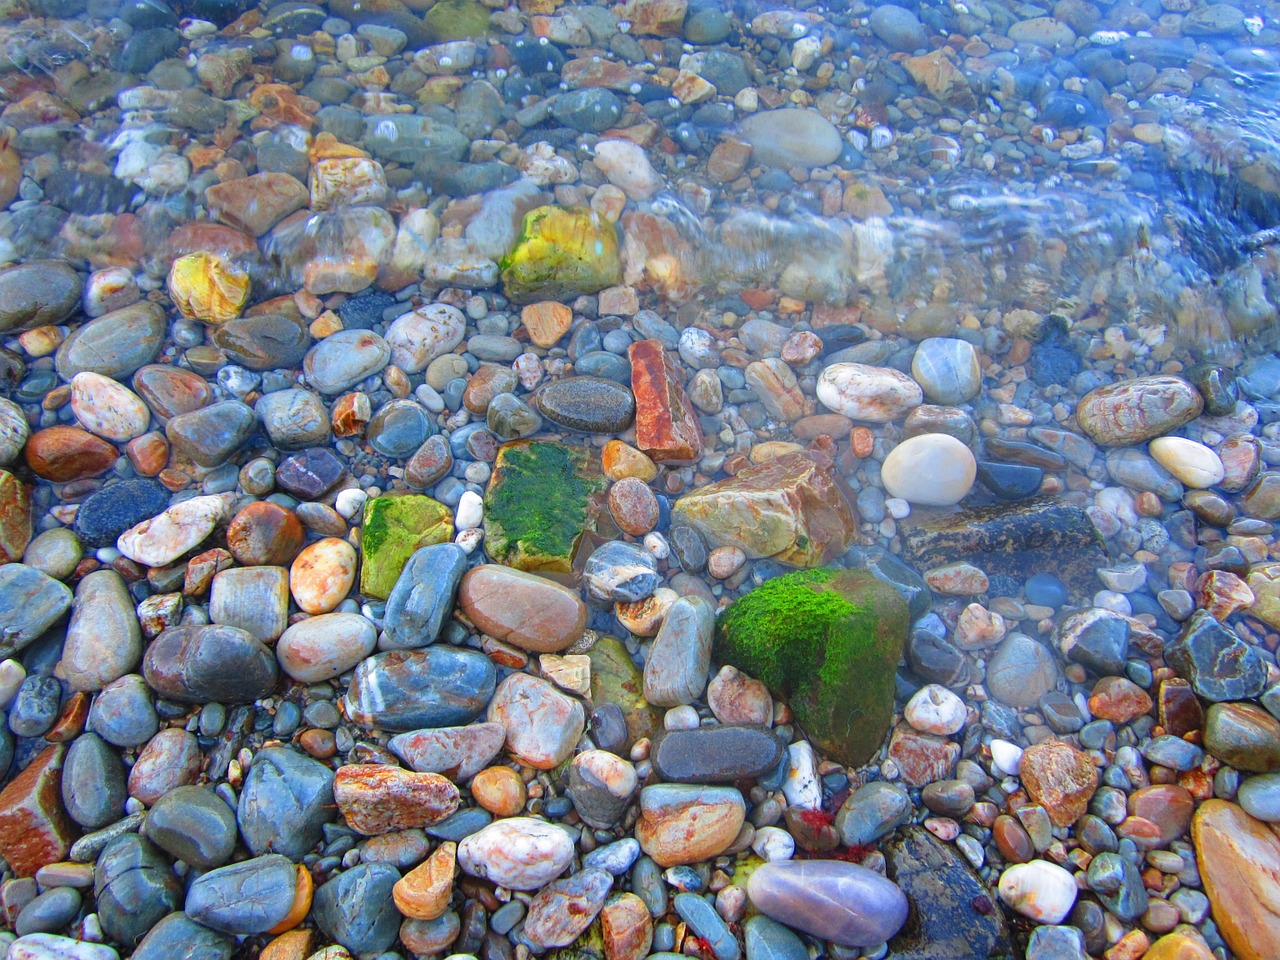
416, 689
769, 940
648, 885
1173, 752
134, 887
510, 418
423, 595
49, 912
93, 782
116, 507
590, 110
203, 663
587, 404
701, 916
30, 603
35, 708
400, 428
355, 908
617, 857
193, 824
621, 571
721, 753
244, 898
460, 825
1118, 885
178, 937
601, 363
1219, 665
871, 812
1056, 943
286, 800
122, 714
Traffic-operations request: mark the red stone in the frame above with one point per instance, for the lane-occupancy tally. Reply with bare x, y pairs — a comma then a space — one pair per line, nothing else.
148, 453
376, 798
256, 204
1118, 699
1060, 778
202, 568
34, 828
1179, 712
666, 425
170, 391
62, 454
265, 534
922, 758
1167, 805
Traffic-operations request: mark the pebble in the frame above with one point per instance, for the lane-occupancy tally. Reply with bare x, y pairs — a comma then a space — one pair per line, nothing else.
194, 825
932, 469
791, 138
685, 824
586, 404
935, 709
423, 595
286, 800
30, 603
543, 725
325, 646
1190, 462
412, 689
872, 811
679, 661
460, 752
209, 663
322, 574
376, 799
519, 853
622, 572
829, 899
866, 393
724, 753
947, 370
1132, 411
1043, 891
521, 608
160, 540
104, 639
356, 909
342, 360
108, 409
562, 910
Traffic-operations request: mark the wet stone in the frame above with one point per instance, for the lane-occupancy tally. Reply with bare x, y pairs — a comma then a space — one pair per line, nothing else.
935, 659
394, 529
522, 609
707, 924
49, 912
562, 910
1132, 411
587, 404
93, 783
62, 454
134, 887
415, 689
715, 754
209, 663
1238, 856
458, 752
423, 595
211, 434
1098, 639
519, 853
947, 370
179, 935
122, 713
620, 571
342, 360
871, 812
194, 825
30, 603
1245, 736
285, 802
682, 824
679, 660
378, 798
399, 428
1219, 665
601, 786
310, 474
115, 344
117, 507
1010, 481
293, 418
830, 899
543, 725
248, 897
170, 759
35, 708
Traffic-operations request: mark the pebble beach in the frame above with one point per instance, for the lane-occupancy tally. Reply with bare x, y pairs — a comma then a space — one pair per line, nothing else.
657, 479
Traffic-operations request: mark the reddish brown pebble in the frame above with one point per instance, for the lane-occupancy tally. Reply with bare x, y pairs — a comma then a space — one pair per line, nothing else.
265, 534
148, 453
375, 798
318, 743
1060, 778
634, 506
1012, 840
666, 424
62, 454
863, 442
922, 757
801, 348
15, 518
1179, 711
202, 568
424, 892
1168, 806
1118, 699
171, 758
34, 828
499, 790
351, 412
627, 928
171, 391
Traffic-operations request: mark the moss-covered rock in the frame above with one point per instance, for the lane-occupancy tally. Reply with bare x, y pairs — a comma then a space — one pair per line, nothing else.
616, 679
541, 498
456, 20
562, 253
829, 641
394, 527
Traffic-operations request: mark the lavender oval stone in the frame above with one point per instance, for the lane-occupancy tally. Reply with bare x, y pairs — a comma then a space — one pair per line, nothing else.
829, 899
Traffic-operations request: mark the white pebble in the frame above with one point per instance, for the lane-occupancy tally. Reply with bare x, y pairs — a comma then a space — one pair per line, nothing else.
772, 844
898, 508
468, 540
657, 545
350, 502
1040, 890
1006, 756
470, 511
802, 788
12, 673
935, 709
683, 717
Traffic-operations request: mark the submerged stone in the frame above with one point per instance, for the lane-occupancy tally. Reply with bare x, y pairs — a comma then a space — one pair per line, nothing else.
829, 640
541, 498
394, 528
794, 509
562, 253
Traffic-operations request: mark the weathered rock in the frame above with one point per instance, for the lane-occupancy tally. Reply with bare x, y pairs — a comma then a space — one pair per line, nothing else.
843, 631
829, 899
1060, 778
377, 798
243, 898
684, 824
164, 538
1239, 858
394, 529
542, 724
15, 518
1132, 411
286, 800
1219, 665
134, 887
30, 603
519, 853
209, 663
866, 393
1243, 735
254, 599
104, 639
424, 892
38, 293
794, 509
34, 827
412, 689
676, 669
562, 910
115, 344
667, 428
540, 499
457, 752
601, 785
522, 609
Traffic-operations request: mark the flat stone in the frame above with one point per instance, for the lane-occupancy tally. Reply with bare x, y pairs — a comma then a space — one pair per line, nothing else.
794, 509
209, 663
682, 824
256, 203
263, 341
1239, 858
521, 608
951, 910
457, 752
169, 391
34, 827
844, 631
50, 946
922, 758
667, 428
15, 518
519, 853
540, 499
108, 409
93, 782
1243, 735
377, 798
38, 293
254, 599
286, 800
394, 529
311, 473
30, 603
620, 571
210, 435
723, 753
166, 537
414, 689
543, 725
170, 759
829, 899
177, 932
872, 811
586, 404
244, 898
562, 910
117, 507
791, 138
325, 646
420, 336
342, 360
679, 660
1132, 411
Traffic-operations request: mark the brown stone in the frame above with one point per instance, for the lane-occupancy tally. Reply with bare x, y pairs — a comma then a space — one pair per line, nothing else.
522, 609
1179, 710
294, 945
376, 798
728, 160
424, 892
634, 506
922, 758
627, 928
794, 509
1166, 805
547, 321
15, 518
256, 204
1118, 699
1060, 778
666, 424
34, 828
686, 824
500, 790
63, 454
265, 534
215, 238
171, 759
654, 18
171, 391
148, 453
1239, 860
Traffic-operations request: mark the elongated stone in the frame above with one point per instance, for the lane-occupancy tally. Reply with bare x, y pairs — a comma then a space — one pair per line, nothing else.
722, 753
586, 404
244, 898
423, 595
829, 899
208, 664
457, 752
15, 517
115, 344
376, 798
1132, 411
50, 946
34, 827
680, 658
1239, 858
529, 611
519, 853
667, 428
321, 648
562, 910
412, 689
164, 538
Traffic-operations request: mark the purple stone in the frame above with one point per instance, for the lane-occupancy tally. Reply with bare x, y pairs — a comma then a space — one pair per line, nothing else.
310, 474
829, 899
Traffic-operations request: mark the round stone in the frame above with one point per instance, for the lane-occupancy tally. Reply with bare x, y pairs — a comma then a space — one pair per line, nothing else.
830, 900
947, 370
935, 709
1132, 411
193, 824
866, 393
325, 646
322, 575
1041, 890
791, 138
932, 469
519, 853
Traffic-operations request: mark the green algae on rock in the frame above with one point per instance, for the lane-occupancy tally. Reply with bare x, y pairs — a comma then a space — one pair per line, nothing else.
456, 20
562, 253
829, 641
394, 528
616, 679
541, 498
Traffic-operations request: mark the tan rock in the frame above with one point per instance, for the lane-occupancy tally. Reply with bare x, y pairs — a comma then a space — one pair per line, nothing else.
1060, 778
1178, 946
1239, 860
684, 824
322, 575
107, 408
547, 321
627, 928
424, 892
522, 609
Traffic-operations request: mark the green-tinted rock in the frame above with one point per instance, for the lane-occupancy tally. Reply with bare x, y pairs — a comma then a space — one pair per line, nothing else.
616, 679
394, 527
540, 500
829, 640
456, 20
562, 253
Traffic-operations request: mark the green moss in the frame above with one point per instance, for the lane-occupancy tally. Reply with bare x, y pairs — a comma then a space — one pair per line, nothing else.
538, 504
829, 641
394, 527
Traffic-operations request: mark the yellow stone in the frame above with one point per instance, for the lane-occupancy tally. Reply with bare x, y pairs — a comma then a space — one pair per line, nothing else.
423, 893
1178, 946
570, 672
621, 460
205, 287
547, 321
301, 902
294, 945
1239, 859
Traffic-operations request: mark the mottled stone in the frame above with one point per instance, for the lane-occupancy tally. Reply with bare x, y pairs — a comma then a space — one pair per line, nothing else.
286, 799
243, 898
1041, 890
377, 798
1219, 665
424, 892
586, 404
104, 639
1239, 859
1132, 411
685, 824
1243, 735
667, 427
620, 571
412, 689
134, 888
264, 341
254, 599
322, 575
829, 899
117, 507
866, 393
30, 603
519, 853
34, 827
679, 660
542, 724
325, 646
342, 360
601, 785
1060, 778
562, 910
457, 752
521, 608
209, 663
562, 252
164, 538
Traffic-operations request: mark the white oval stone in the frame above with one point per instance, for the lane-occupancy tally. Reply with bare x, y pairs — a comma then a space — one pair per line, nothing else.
1040, 890
1006, 756
322, 575
935, 709
933, 469
421, 335
321, 648
1192, 463
470, 511
519, 853
108, 409
866, 393
627, 166
164, 538
772, 844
